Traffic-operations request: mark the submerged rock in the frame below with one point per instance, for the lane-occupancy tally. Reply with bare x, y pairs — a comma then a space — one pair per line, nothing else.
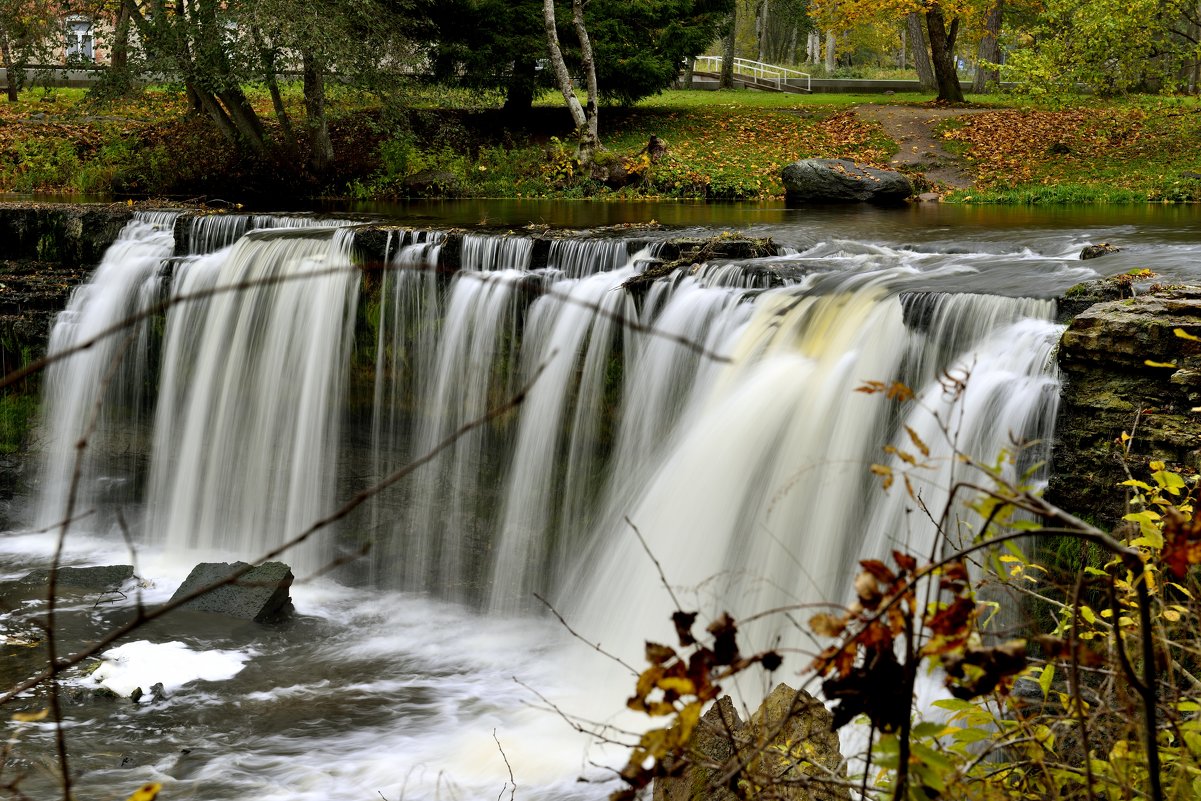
843, 181
789, 749
1098, 250
108, 578
261, 594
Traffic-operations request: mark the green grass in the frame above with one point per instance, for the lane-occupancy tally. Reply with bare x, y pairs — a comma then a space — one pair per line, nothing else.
726, 145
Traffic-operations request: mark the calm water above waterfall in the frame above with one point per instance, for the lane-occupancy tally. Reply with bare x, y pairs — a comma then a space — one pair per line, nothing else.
715, 410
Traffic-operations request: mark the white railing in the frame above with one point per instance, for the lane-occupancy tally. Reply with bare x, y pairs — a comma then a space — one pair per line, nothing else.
765, 73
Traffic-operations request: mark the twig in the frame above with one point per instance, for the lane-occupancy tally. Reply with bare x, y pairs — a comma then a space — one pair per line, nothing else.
593, 645
512, 781
658, 567
150, 311
1074, 682
362, 497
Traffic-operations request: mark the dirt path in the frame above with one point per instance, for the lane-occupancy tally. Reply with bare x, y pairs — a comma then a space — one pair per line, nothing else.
912, 127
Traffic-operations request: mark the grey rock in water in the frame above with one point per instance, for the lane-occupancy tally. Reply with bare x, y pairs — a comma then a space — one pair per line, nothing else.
83, 579
842, 181
788, 746
1098, 250
261, 594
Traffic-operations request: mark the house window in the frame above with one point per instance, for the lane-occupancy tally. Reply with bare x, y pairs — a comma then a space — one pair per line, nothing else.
81, 39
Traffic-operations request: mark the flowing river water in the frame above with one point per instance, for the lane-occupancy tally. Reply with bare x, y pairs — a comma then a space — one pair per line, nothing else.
714, 411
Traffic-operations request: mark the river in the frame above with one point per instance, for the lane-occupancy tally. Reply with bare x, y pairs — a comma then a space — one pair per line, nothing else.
714, 410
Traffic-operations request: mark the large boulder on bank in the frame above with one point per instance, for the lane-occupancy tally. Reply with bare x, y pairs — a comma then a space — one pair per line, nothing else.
260, 594
788, 749
842, 181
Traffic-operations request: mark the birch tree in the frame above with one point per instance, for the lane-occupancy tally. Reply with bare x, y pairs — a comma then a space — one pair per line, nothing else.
584, 115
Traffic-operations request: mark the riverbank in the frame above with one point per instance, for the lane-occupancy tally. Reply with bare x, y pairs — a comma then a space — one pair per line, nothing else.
721, 146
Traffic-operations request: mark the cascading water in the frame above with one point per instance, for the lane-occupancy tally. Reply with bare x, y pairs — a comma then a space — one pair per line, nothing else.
99, 394
246, 428
715, 409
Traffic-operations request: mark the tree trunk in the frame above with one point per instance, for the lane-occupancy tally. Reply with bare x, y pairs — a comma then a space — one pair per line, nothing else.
118, 78
244, 118
942, 49
764, 21
813, 48
689, 70
11, 85
267, 56
726, 81
990, 50
322, 157
831, 60
519, 93
921, 53
588, 141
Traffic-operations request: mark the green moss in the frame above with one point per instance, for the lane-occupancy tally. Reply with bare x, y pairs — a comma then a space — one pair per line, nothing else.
17, 413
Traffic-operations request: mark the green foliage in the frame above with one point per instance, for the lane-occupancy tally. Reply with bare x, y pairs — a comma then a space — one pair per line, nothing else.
16, 417
638, 46
1108, 46
36, 164
1111, 708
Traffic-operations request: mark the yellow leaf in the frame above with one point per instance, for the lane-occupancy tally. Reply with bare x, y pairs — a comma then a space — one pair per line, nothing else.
147, 792
885, 472
682, 686
31, 717
917, 442
1150, 363
1180, 332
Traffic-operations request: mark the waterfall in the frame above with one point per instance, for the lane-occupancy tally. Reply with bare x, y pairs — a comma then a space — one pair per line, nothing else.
246, 427
762, 497
100, 393
714, 408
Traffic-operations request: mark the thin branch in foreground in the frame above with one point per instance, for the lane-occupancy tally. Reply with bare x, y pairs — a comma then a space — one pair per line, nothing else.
512, 781
651, 555
593, 645
154, 309
359, 499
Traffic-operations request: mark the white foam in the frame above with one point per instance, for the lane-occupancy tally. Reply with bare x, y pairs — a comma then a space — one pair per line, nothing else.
143, 664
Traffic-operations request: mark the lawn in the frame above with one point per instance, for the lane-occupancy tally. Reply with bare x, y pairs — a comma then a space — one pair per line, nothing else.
721, 145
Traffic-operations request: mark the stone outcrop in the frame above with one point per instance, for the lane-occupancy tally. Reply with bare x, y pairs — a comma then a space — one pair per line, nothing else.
83, 579
1098, 250
261, 594
1125, 370
787, 751
842, 181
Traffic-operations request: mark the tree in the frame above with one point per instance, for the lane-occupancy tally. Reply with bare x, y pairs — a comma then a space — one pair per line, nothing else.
489, 44
586, 130
1110, 47
217, 47
637, 47
27, 36
989, 52
942, 21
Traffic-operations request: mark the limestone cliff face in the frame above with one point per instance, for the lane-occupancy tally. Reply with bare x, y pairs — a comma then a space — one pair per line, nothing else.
45, 251
1110, 388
